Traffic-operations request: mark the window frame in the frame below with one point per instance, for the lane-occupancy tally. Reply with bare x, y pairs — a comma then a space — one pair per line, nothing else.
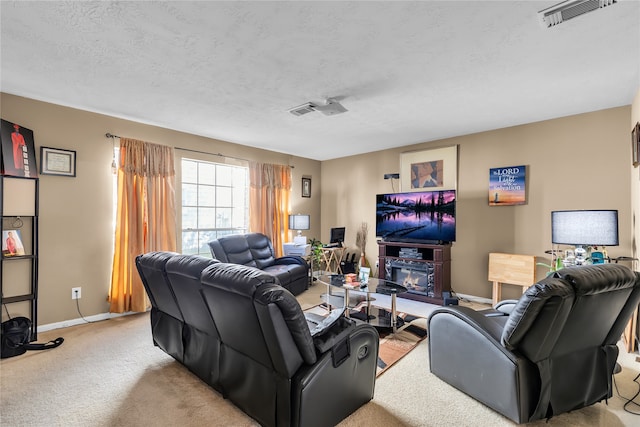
202, 158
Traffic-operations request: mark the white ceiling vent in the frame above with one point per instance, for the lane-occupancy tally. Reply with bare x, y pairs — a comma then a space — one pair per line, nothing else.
302, 109
566, 10
332, 107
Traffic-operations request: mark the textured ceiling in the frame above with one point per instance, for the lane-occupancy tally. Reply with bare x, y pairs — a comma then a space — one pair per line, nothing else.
408, 72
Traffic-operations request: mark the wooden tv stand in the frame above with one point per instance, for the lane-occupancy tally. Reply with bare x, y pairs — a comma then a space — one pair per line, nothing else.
425, 269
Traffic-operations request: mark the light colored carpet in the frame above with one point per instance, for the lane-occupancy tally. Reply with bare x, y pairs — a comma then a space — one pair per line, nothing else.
110, 374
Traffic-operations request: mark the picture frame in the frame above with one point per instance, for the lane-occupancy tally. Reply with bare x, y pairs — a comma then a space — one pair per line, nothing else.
508, 186
434, 169
306, 186
12, 243
56, 161
635, 145
18, 150
363, 274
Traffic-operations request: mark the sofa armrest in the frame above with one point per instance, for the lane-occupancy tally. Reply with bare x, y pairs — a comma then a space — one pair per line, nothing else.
327, 339
506, 306
325, 394
484, 325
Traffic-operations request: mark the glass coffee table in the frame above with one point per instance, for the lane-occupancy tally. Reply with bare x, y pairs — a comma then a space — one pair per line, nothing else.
357, 294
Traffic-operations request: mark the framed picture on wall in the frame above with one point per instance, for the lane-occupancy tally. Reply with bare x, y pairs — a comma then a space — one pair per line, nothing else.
306, 187
635, 145
18, 150
435, 169
54, 161
507, 186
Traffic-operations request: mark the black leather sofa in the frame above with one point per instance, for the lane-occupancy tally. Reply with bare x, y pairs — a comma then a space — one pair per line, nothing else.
554, 351
246, 336
256, 250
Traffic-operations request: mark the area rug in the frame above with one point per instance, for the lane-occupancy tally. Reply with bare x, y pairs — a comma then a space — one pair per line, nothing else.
393, 347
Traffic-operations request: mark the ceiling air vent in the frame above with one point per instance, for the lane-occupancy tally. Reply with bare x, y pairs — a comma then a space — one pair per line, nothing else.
330, 108
566, 10
303, 109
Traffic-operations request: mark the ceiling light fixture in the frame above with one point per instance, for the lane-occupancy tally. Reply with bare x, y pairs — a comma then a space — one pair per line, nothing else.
568, 9
330, 108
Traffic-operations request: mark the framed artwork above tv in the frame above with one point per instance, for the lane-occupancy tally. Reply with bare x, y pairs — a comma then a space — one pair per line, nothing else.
435, 169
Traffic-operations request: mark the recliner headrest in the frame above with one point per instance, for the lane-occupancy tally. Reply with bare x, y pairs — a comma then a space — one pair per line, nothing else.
595, 279
237, 278
189, 265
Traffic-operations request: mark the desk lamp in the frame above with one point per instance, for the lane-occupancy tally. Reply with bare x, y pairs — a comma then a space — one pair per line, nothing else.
299, 222
585, 228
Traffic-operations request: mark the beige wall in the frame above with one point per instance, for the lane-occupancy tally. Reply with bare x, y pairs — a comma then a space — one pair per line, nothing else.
76, 214
577, 162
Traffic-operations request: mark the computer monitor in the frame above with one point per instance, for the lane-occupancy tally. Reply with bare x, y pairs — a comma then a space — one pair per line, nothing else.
337, 235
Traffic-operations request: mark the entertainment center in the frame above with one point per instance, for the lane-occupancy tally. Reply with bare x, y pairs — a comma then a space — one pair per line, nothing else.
416, 230
424, 269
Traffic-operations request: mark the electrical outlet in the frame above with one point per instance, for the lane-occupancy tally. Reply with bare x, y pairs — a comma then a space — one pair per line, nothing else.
76, 293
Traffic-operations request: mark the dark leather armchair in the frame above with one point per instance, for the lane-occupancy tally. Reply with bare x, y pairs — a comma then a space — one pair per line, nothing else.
256, 250
271, 367
555, 352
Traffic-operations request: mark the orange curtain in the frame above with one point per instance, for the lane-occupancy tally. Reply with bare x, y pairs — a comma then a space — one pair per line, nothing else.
269, 194
145, 218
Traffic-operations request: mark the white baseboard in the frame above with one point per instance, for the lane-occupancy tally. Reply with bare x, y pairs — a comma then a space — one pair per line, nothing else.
80, 321
474, 298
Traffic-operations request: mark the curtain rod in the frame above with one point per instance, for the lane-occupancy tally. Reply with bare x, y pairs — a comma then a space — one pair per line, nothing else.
110, 135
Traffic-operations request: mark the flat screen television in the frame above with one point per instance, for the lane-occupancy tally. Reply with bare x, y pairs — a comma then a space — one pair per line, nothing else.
420, 217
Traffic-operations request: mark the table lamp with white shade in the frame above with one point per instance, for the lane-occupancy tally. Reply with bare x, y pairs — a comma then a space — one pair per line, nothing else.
299, 222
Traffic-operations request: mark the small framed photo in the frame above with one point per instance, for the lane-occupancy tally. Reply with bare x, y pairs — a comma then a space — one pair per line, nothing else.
364, 274
635, 145
12, 243
306, 187
54, 161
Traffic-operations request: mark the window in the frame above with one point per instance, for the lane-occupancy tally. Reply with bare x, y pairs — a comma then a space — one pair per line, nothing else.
214, 203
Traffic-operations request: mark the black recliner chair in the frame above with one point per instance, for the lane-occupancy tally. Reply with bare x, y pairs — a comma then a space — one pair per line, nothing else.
271, 367
256, 250
555, 352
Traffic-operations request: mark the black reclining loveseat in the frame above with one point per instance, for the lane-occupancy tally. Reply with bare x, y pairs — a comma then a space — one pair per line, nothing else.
256, 250
246, 336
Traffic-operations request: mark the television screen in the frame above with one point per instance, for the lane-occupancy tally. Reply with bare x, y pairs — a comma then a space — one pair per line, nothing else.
424, 216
